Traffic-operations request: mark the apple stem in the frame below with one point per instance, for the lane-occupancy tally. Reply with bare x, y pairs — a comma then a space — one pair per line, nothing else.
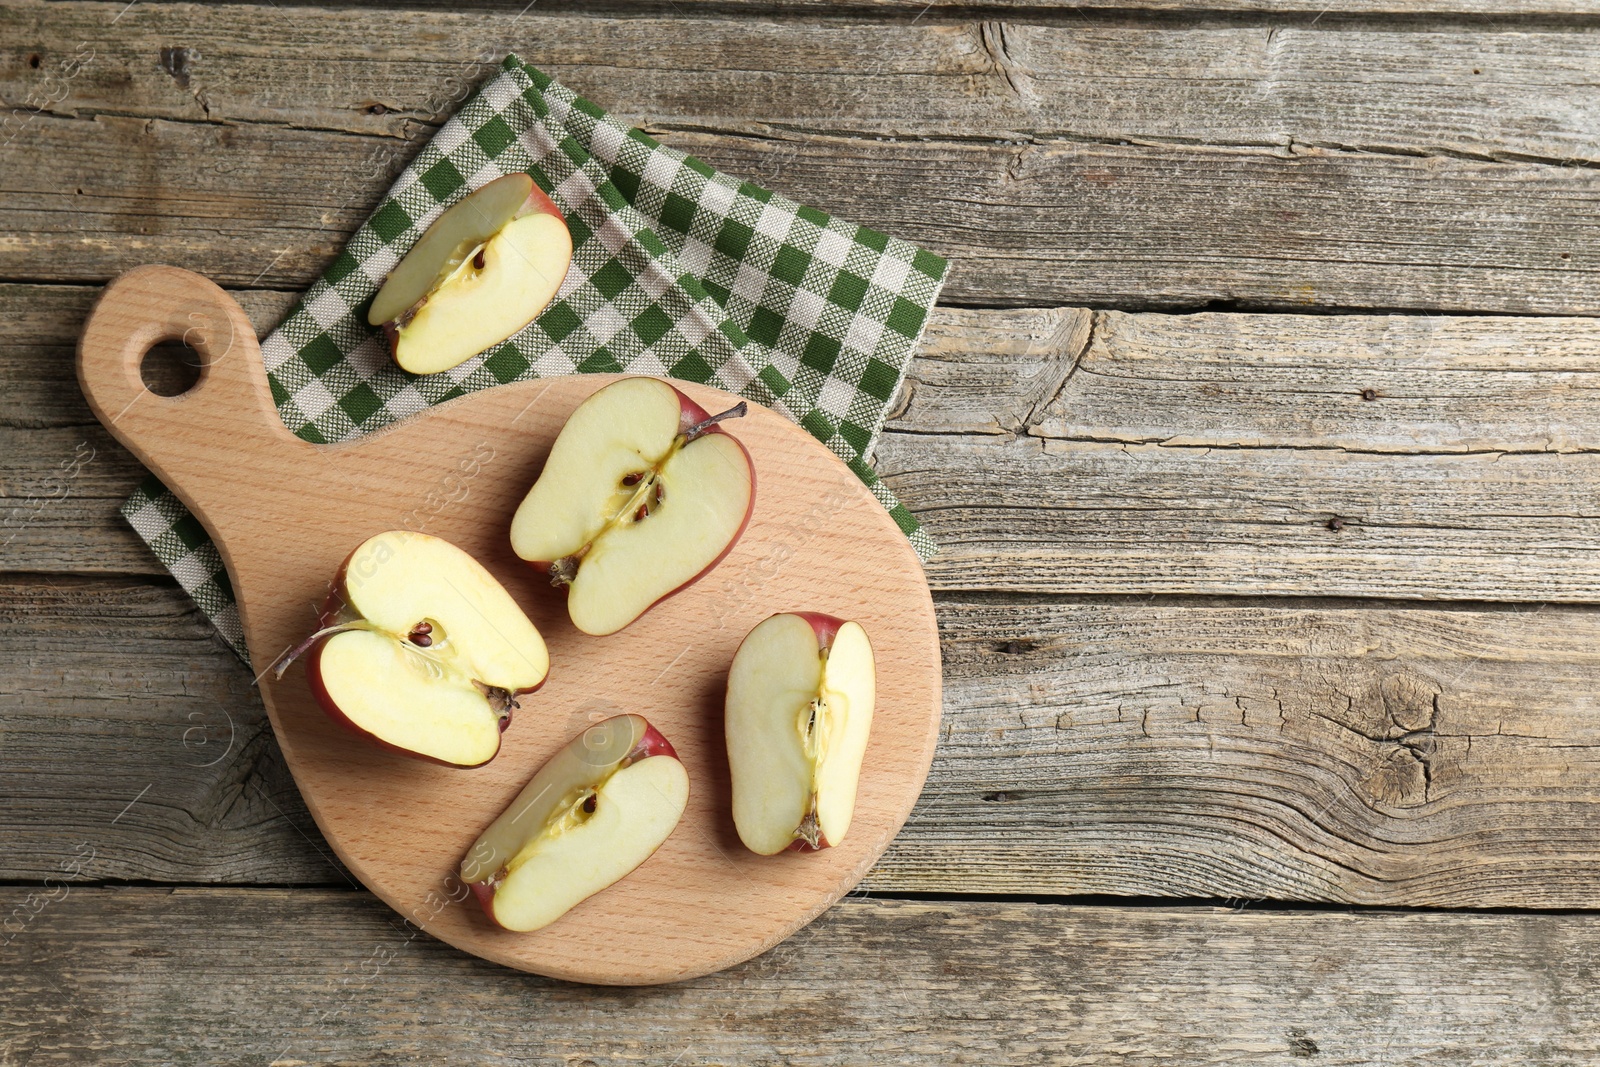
699, 429
284, 661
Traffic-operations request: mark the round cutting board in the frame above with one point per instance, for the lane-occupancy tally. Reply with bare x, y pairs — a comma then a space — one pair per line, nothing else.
285, 513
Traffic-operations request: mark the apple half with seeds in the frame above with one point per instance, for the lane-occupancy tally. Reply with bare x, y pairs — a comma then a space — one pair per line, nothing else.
591, 814
422, 651
642, 494
480, 273
799, 710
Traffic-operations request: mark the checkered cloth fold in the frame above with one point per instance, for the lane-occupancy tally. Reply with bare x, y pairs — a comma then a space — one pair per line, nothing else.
677, 270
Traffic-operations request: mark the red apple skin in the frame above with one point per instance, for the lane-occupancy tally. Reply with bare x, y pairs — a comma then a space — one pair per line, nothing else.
336, 609
691, 414
651, 743
539, 203
825, 626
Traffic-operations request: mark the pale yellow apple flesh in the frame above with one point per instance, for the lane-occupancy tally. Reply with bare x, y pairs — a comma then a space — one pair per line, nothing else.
588, 759
488, 296
798, 719
455, 234
592, 814
439, 694
635, 510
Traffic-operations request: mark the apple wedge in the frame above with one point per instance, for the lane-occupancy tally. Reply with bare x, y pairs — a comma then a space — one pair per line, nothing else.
642, 494
799, 709
422, 651
481, 272
596, 810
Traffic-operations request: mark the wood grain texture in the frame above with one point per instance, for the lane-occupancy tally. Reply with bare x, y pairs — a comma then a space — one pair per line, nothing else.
1056, 452
1384, 384
1239, 454
1114, 518
321, 977
816, 538
1297, 752
1317, 8
1512, 91
66, 477
1014, 149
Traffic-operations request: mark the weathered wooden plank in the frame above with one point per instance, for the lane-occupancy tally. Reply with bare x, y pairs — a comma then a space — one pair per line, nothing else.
1168, 226
1203, 453
1386, 383
1356, 754
1049, 221
65, 477
314, 976
127, 722
40, 343
1239, 453
1401, 384
1039, 515
1463, 90
1324, 11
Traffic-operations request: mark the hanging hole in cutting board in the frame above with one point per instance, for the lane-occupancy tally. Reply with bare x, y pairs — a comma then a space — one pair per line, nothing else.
170, 368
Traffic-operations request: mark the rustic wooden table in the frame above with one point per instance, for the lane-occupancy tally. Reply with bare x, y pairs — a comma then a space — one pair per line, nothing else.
1260, 426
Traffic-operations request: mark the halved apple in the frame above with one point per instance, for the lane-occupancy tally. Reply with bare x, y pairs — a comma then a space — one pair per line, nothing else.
596, 810
799, 710
421, 650
642, 494
481, 272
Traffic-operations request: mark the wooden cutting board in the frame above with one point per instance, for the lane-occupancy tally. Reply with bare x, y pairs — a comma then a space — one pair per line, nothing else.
285, 513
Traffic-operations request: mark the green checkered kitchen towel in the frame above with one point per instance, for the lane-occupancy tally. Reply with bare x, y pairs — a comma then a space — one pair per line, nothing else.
677, 270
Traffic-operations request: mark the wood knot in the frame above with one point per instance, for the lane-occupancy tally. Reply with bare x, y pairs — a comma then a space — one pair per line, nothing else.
178, 62
1369, 394
1300, 1045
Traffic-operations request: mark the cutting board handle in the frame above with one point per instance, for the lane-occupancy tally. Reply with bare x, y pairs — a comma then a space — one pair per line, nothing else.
197, 441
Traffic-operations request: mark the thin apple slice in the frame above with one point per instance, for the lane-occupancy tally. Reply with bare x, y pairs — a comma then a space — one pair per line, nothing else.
799, 712
458, 230
484, 270
421, 650
592, 813
642, 494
